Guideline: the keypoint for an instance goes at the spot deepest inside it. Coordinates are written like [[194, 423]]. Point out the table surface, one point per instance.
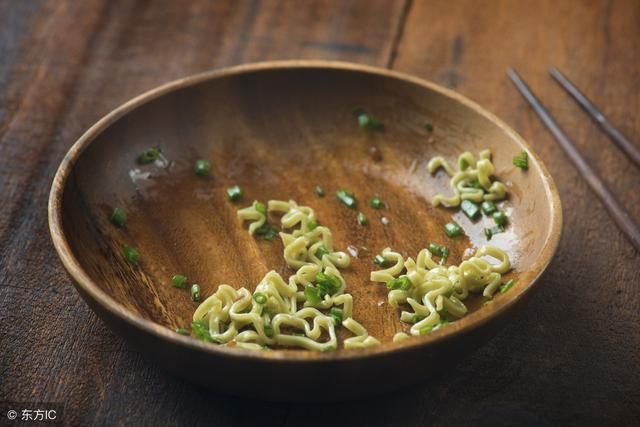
[[570, 354]]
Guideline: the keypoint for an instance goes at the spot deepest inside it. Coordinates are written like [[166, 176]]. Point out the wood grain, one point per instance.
[[64, 64]]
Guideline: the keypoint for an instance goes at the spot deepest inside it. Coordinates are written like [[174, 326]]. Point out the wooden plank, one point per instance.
[[73, 62], [564, 357]]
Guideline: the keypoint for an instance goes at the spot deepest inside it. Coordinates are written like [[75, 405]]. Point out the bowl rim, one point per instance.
[[466, 324]]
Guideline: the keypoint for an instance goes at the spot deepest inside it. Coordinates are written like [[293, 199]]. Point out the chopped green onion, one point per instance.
[[195, 292], [473, 184], [470, 209], [337, 315], [312, 294], [319, 191], [200, 329], [521, 160], [260, 298], [312, 224], [490, 232], [183, 331], [403, 283], [506, 286], [416, 318], [131, 254], [268, 330], [235, 193], [376, 203], [201, 167], [328, 284], [439, 250], [488, 207], [428, 126], [379, 259], [179, 281], [267, 231], [149, 155], [425, 329], [321, 251], [452, 229], [362, 219], [500, 218], [463, 164], [260, 207], [118, 217], [347, 198], [367, 121]]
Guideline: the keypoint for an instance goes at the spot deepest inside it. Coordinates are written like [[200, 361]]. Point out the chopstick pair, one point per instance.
[[615, 209]]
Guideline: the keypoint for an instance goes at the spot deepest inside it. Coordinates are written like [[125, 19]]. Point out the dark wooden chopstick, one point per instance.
[[615, 209], [623, 143]]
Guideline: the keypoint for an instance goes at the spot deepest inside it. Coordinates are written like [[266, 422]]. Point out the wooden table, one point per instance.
[[570, 356]]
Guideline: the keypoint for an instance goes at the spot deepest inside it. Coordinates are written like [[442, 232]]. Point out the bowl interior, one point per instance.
[[278, 133]]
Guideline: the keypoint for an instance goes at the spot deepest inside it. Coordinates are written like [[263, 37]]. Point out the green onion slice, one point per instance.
[[179, 281], [118, 217], [347, 198]]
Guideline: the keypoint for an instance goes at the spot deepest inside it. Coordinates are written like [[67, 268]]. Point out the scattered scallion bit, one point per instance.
[[201, 167], [312, 294], [473, 184], [464, 164], [337, 315], [195, 292], [521, 160], [200, 329], [488, 207], [367, 121], [416, 318], [453, 230], [506, 286], [268, 330], [362, 219], [148, 156], [319, 191], [118, 217], [312, 224], [440, 251], [428, 126], [321, 251], [260, 298], [131, 254], [347, 198], [425, 329], [490, 232], [179, 281], [267, 231], [500, 218], [376, 203], [235, 193], [403, 283], [328, 284], [431, 328], [260, 207], [470, 209], [183, 331], [379, 260]]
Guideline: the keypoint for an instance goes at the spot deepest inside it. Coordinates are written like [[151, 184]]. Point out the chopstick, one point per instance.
[[615, 209], [632, 152]]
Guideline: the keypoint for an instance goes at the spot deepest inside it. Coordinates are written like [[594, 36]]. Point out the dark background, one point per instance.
[[570, 355]]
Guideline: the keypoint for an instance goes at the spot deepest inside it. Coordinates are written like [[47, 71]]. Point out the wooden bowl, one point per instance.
[[278, 129]]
